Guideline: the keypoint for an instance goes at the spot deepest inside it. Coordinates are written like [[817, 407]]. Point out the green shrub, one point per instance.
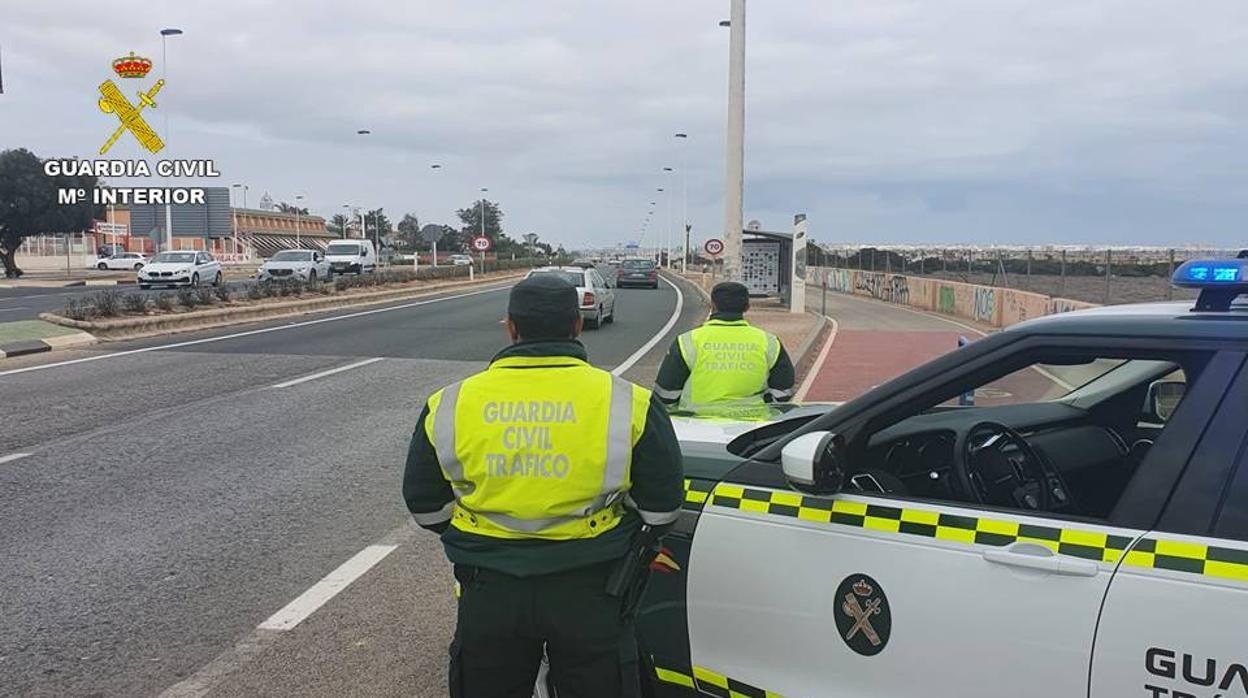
[[187, 297], [204, 295], [223, 293], [107, 302], [255, 292], [78, 309], [164, 301], [135, 303]]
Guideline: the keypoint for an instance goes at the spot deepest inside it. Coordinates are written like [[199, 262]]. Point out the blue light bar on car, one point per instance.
[[1220, 281], [1211, 273]]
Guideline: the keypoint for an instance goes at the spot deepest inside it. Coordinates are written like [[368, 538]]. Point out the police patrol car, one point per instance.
[[1080, 530]]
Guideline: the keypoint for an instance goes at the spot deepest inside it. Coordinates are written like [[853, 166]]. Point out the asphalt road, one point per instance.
[[178, 493]]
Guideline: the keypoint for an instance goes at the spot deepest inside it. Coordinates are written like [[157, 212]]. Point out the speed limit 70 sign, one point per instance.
[[482, 243], [714, 247]]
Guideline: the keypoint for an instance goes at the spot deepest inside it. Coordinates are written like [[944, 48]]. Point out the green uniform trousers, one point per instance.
[[505, 622]]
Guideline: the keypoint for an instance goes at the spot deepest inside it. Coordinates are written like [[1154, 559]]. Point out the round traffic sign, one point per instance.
[[714, 247], [482, 243]]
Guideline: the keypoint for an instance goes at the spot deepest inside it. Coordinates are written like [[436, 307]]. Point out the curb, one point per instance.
[[196, 320], [38, 346]]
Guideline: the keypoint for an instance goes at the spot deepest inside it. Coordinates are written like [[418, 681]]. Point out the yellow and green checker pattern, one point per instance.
[[711, 683], [1152, 553], [1186, 556], [697, 492]]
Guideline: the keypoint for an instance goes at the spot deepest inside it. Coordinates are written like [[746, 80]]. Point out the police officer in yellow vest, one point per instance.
[[726, 367], [540, 473]]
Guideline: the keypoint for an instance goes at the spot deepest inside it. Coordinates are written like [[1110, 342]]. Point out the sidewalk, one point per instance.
[[874, 342]]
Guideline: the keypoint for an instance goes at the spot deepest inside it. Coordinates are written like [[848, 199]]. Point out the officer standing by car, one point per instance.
[[546, 477], [726, 367]]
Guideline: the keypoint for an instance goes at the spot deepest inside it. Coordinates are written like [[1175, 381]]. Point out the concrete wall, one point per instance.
[[989, 305]]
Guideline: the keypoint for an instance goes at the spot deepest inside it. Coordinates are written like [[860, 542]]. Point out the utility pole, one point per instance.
[[734, 184]]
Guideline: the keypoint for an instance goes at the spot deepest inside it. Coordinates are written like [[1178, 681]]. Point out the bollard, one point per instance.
[[966, 399]]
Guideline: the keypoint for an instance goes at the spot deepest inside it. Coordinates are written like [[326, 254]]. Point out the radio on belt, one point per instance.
[[1220, 281]]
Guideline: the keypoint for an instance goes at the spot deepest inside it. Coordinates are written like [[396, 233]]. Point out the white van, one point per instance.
[[352, 256]]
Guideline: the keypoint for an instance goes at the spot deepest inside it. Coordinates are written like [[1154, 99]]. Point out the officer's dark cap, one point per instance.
[[730, 297], [543, 295]]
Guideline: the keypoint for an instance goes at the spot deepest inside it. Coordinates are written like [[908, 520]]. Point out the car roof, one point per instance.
[[572, 270], [1161, 320]]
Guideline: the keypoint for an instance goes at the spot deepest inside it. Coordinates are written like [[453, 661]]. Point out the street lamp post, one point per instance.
[[164, 74], [684, 197], [658, 241], [483, 192], [298, 229], [671, 192], [734, 184], [243, 187]]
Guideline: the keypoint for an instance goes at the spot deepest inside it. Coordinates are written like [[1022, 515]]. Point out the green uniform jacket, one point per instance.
[[657, 485]]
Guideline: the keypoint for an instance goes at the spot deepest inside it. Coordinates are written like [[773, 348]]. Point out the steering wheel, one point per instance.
[[994, 464]]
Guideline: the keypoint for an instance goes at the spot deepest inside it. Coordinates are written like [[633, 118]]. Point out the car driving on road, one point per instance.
[[1081, 529], [637, 272], [461, 260], [597, 300], [129, 261], [189, 268], [299, 265], [351, 256]]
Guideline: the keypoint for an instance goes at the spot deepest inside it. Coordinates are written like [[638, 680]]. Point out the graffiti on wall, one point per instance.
[[893, 288], [984, 308], [1064, 305], [946, 301]]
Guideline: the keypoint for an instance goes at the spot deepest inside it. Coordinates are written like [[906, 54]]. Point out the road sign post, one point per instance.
[[482, 244], [714, 247]]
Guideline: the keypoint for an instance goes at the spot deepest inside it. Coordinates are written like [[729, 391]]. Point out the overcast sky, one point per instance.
[[1010, 121]]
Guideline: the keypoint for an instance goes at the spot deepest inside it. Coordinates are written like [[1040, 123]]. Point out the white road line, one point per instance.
[[630, 361], [12, 457], [322, 374], [249, 333], [818, 365], [306, 603], [10, 310]]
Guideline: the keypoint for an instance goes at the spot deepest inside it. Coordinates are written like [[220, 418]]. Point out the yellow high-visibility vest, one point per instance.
[[537, 447], [729, 361]]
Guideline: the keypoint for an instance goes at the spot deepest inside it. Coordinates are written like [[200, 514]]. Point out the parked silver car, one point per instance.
[[297, 265]]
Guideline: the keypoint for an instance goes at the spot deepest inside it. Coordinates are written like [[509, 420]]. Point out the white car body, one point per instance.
[[351, 256], [180, 268], [461, 260], [596, 298], [128, 261], [311, 264]]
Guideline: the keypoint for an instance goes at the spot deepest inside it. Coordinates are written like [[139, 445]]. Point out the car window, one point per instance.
[[573, 277], [999, 440], [637, 264]]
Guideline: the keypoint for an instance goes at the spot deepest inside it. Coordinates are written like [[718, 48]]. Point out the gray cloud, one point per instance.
[[885, 120]]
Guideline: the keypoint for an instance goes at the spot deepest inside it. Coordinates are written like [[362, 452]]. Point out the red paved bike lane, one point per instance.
[[861, 359]]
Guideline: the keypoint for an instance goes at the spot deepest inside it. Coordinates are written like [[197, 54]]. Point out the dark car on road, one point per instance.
[[637, 272]]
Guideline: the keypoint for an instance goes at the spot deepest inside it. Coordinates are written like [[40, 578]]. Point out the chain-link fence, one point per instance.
[[1105, 275]]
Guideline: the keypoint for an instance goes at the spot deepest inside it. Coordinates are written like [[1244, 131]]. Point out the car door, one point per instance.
[[1175, 616], [602, 291], [886, 596]]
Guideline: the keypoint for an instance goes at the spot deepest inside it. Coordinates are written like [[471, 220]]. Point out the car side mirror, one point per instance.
[[1163, 399], [815, 462]]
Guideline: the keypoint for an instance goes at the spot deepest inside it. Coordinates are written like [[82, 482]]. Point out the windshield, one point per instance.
[[643, 264], [572, 277], [344, 249], [292, 256], [174, 258]]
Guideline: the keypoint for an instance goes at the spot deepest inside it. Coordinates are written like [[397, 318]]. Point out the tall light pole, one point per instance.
[[684, 197], [671, 192], [483, 192], [734, 184], [298, 229], [346, 216], [433, 245], [243, 187], [164, 74], [658, 240]]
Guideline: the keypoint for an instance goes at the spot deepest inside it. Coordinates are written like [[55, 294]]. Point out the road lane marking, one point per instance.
[[13, 310], [263, 330], [636, 356], [323, 374], [814, 370], [306, 603], [12, 457]]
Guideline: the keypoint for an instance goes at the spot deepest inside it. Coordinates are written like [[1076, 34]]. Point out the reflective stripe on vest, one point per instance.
[[504, 435], [729, 362]]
